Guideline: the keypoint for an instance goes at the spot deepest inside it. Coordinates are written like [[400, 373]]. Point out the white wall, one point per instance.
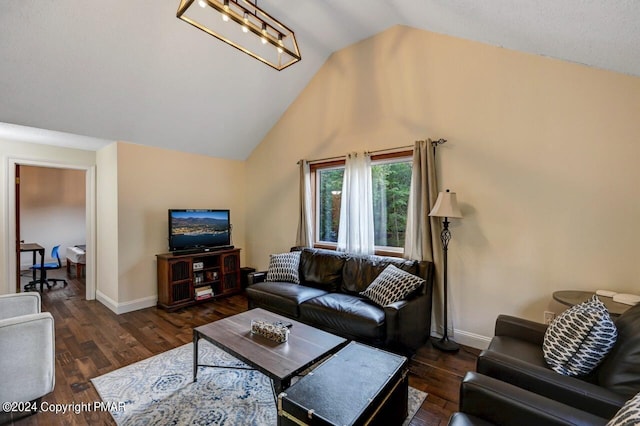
[[52, 209], [542, 153], [27, 153]]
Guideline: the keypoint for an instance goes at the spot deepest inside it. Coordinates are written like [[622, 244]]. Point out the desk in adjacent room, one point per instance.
[[35, 248]]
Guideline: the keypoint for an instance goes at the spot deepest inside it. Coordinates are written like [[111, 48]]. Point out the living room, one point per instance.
[[541, 152]]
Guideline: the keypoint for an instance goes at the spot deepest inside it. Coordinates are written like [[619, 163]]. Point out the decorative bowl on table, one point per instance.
[[277, 333]]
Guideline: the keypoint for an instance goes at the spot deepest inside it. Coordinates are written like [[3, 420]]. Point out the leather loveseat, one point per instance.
[[515, 356], [327, 298]]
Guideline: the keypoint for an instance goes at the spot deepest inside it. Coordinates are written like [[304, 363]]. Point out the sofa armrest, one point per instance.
[[546, 382], [14, 305], [520, 328], [408, 322], [28, 357], [504, 404], [256, 277]]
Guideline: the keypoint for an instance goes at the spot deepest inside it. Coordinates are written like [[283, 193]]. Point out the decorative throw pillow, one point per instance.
[[628, 415], [283, 267], [391, 285], [579, 339]]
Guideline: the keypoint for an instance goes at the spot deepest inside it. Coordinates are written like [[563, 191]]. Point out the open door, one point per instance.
[[17, 206]]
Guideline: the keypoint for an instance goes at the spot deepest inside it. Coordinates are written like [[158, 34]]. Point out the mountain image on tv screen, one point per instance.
[[199, 229]]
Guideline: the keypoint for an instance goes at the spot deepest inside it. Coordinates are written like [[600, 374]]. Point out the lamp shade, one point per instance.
[[446, 206]]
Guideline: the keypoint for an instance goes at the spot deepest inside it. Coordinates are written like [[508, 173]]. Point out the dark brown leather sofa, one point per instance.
[[327, 298], [515, 356]]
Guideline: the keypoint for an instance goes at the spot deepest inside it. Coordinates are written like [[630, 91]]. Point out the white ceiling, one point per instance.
[[129, 70]]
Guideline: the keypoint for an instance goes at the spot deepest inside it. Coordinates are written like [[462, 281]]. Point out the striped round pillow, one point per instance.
[[629, 414], [579, 339]]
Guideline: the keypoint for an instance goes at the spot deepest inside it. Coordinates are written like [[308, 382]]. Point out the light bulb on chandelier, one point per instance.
[[245, 29], [264, 32], [280, 49], [225, 17]]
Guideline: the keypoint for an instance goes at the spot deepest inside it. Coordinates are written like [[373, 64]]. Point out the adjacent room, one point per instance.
[[296, 212]]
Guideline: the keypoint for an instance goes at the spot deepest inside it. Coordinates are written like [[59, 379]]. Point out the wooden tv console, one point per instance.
[[181, 277]]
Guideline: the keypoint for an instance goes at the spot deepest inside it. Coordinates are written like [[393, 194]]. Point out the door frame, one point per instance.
[[90, 220]]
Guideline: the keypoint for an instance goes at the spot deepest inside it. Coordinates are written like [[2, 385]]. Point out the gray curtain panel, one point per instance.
[[422, 240], [304, 237]]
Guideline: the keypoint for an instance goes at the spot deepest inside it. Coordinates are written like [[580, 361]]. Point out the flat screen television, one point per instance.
[[198, 229]]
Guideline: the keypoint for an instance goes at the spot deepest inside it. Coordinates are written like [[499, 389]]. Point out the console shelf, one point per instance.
[[180, 275]]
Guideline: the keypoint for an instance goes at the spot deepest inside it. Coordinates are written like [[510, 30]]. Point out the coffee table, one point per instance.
[[279, 361]]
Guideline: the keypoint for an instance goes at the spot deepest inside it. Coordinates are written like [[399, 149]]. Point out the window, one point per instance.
[[328, 202], [391, 180]]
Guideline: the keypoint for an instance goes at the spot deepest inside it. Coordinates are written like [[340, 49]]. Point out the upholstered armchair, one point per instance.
[[487, 401], [27, 348], [515, 356]]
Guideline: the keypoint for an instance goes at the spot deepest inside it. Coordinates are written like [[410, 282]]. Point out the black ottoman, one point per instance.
[[358, 385]]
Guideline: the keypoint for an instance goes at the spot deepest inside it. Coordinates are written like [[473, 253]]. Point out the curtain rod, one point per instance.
[[400, 148]]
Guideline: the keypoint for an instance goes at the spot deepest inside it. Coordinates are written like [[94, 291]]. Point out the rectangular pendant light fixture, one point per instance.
[[244, 26]]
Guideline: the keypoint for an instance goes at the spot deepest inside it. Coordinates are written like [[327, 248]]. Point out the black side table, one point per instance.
[[574, 297]]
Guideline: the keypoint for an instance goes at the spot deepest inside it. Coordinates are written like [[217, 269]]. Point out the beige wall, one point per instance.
[[149, 182], [542, 153], [107, 290]]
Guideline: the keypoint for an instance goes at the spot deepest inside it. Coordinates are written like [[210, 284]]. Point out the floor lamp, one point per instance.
[[447, 207]]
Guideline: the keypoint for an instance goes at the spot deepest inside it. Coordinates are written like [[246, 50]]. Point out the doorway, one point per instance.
[[45, 213]]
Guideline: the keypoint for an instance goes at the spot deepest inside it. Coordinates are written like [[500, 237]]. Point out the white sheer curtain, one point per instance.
[[304, 237], [355, 232]]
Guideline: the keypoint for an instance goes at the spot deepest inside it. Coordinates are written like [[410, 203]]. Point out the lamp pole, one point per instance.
[[446, 206], [444, 343]]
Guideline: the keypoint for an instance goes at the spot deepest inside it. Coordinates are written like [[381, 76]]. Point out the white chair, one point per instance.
[[27, 348]]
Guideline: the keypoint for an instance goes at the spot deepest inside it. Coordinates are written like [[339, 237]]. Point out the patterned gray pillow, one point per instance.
[[283, 267], [628, 415], [579, 339], [391, 285]]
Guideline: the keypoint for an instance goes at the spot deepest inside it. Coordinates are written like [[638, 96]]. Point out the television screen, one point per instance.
[[190, 229]]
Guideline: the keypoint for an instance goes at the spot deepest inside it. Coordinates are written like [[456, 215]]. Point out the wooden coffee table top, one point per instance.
[[306, 345]]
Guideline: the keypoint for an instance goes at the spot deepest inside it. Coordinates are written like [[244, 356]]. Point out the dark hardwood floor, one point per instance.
[[91, 341]]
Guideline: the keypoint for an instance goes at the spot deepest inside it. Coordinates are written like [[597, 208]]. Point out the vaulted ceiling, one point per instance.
[[129, 70]]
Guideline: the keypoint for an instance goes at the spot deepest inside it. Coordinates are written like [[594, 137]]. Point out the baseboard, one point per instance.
[[124, 307], [466, 338], [471, 339]]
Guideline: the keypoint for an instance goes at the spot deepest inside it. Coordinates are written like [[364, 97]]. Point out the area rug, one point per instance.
[[159, 391]]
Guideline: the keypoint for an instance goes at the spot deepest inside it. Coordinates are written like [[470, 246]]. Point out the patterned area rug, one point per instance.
[[159, 391]]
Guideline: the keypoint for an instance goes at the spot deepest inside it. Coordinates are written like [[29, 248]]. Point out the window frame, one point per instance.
[[314, 167]]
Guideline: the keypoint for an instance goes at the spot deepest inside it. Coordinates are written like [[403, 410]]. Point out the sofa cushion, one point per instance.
[[629, 414], [392, 285], [283, 298], [284, 267], [321, 269], [579, 339], [360, 270], [346, 315], [620, 371]]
